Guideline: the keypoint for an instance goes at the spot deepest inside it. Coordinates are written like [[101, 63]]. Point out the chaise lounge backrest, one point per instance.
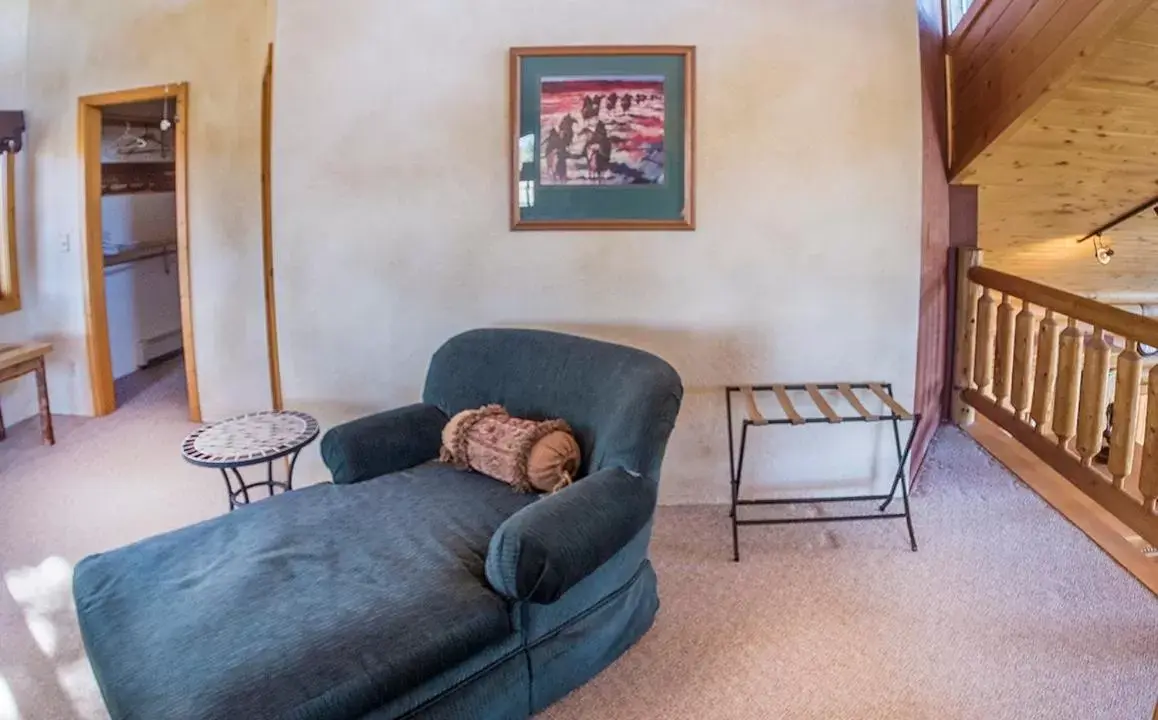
[[621, 402]]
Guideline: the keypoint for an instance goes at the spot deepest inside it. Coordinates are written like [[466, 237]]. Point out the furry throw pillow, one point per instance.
[[528, 455]]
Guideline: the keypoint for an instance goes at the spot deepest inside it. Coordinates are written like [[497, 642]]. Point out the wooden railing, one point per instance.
[[1036, 361]]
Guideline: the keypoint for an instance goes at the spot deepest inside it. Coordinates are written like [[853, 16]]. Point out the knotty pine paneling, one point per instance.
[[933, 319], [1086, 155], [1014, 55]]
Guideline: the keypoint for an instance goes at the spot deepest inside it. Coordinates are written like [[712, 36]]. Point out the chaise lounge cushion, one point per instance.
[[329, 602]]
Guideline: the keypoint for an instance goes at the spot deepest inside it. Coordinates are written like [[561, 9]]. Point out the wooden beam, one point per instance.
[[135, 95]]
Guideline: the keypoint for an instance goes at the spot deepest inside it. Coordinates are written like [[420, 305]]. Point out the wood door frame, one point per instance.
[[267, 232], [89, 113]]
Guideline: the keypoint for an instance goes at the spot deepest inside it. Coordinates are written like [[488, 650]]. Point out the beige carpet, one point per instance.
[[1006, 612]]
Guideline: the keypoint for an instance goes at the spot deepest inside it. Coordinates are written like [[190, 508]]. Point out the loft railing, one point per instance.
[[1037, 361]]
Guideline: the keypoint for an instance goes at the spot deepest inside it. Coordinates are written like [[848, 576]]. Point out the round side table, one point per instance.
[[251, 439]]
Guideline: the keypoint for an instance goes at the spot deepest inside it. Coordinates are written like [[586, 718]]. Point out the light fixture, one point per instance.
[[1102, 253], [166, 123]]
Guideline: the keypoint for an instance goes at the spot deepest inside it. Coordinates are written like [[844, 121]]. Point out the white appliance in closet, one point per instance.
[[142, 296]]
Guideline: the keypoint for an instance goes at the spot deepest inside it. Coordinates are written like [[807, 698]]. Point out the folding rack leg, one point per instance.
[[905, 485], [900, 464], [736, 492], [731, 453], [899, 478]]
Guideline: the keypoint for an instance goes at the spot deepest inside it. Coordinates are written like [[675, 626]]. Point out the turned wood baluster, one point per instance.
[[1003, 367], [1046, 369], [1065, 414], [1023, 359], [983, 357], [1092, 408], [967, 292], [1148, 475], [1126, 402]]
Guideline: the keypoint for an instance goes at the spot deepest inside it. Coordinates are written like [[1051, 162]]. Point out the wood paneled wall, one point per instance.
[[933, 329], [1008, 56], [1088, 154]]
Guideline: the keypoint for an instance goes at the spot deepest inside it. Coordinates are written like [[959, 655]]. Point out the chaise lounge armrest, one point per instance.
[[380, 444], [547, 547]]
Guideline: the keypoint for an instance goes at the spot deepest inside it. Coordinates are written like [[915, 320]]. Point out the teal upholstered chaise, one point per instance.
[[406, 588]]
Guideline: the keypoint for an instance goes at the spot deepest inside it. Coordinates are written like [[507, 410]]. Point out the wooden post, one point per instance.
[[1004, 364], [9, 265], [1126, 404], [1092, 408], [1065, 416], [1023, 360], [983, 356], [966, 340], [1046, 372], [1148, 475]]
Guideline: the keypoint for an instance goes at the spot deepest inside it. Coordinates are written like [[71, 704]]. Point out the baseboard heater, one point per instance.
[[158, 347]]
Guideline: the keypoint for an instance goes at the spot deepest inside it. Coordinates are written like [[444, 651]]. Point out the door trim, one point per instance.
[[267, 231], [96, 311]]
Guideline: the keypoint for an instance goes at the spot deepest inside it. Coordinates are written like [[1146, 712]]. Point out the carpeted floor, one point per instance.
[[1006, 612]]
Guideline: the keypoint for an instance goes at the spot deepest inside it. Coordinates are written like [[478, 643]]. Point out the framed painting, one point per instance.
[[602, 137]]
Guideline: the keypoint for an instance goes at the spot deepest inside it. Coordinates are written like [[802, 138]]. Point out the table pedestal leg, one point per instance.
[[289, 478]]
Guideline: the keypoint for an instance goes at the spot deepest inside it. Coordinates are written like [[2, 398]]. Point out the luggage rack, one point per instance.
[[896, 413]]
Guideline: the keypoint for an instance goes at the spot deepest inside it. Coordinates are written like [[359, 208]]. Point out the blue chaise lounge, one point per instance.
[[406, 588]]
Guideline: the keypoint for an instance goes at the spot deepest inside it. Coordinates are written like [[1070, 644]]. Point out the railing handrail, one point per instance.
[[1048, 385], [1107, 317]]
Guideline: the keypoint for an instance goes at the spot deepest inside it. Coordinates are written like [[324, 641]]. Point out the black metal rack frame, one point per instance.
[[896, 415]]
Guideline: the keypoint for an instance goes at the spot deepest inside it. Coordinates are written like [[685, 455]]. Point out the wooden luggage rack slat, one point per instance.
[[891, 411]]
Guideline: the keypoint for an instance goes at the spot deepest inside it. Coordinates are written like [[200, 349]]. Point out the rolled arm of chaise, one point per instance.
[[547, 547], [380, 444]]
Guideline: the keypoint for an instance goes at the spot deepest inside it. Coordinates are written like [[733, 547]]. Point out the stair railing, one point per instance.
[[1037, 362]]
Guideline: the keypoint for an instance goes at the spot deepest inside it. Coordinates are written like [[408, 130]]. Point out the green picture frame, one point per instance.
[[602, 137]]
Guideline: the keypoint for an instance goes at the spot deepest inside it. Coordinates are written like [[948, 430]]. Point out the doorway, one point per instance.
[[135, 243]]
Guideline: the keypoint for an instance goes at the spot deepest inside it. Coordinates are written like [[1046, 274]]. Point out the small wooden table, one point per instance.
[[17, 360]]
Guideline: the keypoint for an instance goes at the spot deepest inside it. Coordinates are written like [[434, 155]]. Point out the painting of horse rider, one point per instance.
[[602, 130]]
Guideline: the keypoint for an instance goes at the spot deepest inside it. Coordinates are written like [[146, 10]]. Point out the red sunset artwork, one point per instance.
[[602, 130]]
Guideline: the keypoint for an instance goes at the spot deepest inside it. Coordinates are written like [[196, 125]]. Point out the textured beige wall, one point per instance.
[[17, 398], [77, 48], [13, 46], [391, 211]]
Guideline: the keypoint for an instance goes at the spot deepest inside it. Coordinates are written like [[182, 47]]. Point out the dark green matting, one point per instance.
[[608, 202]]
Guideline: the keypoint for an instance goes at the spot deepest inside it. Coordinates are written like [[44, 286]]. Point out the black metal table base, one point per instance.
[[238, 489], [899, 480]]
